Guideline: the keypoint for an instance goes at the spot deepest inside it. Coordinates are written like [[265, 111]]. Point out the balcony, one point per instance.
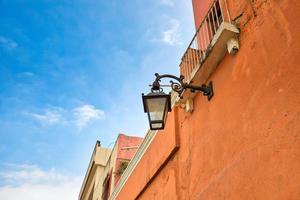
[[208, 46]]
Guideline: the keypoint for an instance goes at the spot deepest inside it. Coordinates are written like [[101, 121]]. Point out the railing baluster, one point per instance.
[[216, 12], [197, 51], [220, 6], [204, 36], [189, 64], [206, 39], [207, 32], [214, 25], [213, 20], [195, 54], [185, 67], [182, 67], [192, 57], [200, 39], [200, 44], [185, 72], [209, 24], [190, 61]]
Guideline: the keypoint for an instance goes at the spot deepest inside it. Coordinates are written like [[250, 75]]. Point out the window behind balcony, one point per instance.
[[214, 18]]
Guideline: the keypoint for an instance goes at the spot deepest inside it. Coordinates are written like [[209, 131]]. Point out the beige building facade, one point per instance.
[[92, 183], [106, 167]]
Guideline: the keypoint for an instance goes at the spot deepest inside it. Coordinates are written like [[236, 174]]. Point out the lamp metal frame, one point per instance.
[[179, 86]]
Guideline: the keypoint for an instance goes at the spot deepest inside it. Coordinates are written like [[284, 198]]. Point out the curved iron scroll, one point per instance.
[[179, 86]]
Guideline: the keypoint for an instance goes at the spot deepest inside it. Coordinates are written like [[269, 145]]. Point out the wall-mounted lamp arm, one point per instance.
[[179, 86]]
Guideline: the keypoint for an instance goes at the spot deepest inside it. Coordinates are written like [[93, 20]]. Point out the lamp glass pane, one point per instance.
[[156, 108], [156, 125]]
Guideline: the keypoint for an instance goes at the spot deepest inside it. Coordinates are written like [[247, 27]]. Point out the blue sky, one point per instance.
[[71, 73]]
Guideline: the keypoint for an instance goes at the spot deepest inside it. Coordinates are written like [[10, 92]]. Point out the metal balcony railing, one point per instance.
[[199, 47]]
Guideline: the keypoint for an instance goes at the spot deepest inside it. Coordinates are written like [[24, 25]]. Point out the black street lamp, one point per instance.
[[157, 104]]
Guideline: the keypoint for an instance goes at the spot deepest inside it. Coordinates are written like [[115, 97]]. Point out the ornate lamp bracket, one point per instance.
[[179, 86]]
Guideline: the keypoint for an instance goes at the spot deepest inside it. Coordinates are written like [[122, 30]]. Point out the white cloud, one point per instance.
[[79, 117], [29, 182], [8, 43], [48, 116], [171, 36], [167, 2], [86, 113], [167, 30], [30, 174]]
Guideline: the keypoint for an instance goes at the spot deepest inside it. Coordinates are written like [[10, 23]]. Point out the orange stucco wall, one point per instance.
[[164, 144], [245, 142]]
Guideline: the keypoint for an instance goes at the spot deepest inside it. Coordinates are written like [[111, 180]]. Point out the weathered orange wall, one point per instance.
[[245, 142], [164, 145]]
